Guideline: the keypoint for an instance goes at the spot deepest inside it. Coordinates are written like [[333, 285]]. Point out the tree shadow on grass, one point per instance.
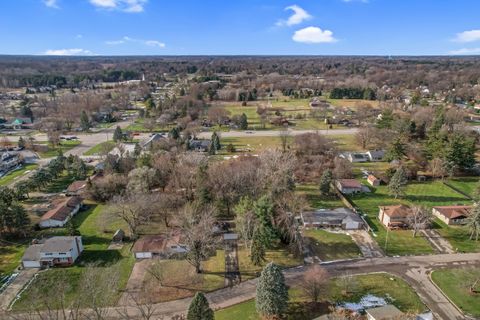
[[101, 258]]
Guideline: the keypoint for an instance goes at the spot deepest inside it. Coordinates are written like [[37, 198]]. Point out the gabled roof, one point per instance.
[[156, 243], [454, 212], [398, 211], [388, 312], [62, 210], [77, 186], [350, 183]]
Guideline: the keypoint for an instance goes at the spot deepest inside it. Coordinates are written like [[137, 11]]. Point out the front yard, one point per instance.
[[458, 236], [13, 175], [393, 289], [331, 246], [456, 284]]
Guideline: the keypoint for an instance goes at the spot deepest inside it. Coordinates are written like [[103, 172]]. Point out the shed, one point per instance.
[[118, 236]]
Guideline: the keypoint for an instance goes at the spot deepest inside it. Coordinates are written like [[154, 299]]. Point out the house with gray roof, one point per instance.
[[342, 218], [53, 252]]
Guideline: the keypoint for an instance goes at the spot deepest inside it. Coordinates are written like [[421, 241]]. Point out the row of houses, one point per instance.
[[397, 217]]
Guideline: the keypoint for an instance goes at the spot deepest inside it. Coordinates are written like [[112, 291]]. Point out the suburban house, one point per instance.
[[452, 215], [199, 145], [61, 213], [373, 181], [357, 157], [76, 188], [19, 123], [387, 312], [350, 186], [162, 246], [342, 218], [375, 155], [395, 217], [9, 161], [55, 251], [156, 137]]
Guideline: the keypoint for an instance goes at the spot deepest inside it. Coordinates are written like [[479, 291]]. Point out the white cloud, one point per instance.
[[150, 43], [51, 3], [132, 6], [468, 36], [299, 15], [465, 51], [313, 35], [68, 52]]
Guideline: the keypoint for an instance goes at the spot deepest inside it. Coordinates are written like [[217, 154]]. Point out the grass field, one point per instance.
[[468, 185], [95, 242], [455, 283], [13, 175], [63, 147], [401, 242], [331, 246], [103, 147], [395, 290], [317, 201], [10, 254]]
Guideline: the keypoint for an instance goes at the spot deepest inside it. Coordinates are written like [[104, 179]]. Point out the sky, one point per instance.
[[239, 27]]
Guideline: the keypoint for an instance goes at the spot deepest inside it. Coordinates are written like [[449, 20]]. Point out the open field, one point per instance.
[[103, 147], [317, 201], [63, 147], [455, 283], [10, 254], [13, 175], [402, 242], [331, 246], [394, 289], [95, 242]]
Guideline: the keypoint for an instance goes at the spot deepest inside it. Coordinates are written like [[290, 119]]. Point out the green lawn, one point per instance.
[[95, 241], [468, 185], [401, 242], [10, 257], [455, 283], [317, 201], [63, 147], [10, 177], [394, 289], [458, 236], [103, 147], [331, 246]]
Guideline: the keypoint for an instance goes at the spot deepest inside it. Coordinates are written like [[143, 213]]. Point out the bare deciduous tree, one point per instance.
[[314, 282], [420, 219]]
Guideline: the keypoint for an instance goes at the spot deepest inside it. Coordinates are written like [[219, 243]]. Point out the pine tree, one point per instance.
[[398, 183], [216, 141], [118, 134], [199, 308], [396, 151], [257, 251], [84, 122], [20, 219], [272, 293], [21, 142], [174, 133], [325, 182], [212, 150], [243, 122]]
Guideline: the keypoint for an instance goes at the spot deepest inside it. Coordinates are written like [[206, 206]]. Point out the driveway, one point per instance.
[[367, 245], [437, 241], [7, 296]]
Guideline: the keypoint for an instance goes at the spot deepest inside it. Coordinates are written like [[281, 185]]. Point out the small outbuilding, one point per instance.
[[118, 236], [373, 181], [387, 312], [452, 215]]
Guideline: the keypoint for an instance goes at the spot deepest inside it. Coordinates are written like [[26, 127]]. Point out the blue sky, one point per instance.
[[244, 27]]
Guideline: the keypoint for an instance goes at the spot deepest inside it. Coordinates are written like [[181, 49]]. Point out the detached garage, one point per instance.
[[160, 246], [31, 257]]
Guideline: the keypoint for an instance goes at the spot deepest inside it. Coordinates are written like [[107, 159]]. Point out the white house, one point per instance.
[[376, 155], [395, 217], [349, 186], [59, 216], [161, 246], [55, 251], [342, 218]]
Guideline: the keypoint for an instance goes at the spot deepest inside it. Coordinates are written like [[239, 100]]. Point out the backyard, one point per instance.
[[402, 242], [13, 175], [457, 285], [63, 147]]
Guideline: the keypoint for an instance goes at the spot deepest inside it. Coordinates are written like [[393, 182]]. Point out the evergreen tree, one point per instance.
[[216, 141], [21, 142], [118, 134], [84, 121], [272, 293], [137, 150], [257, 251], [202, 192], [460, 151], [199, 308], [212, 150], [243, 122], [174, 133], [263, 209], [325, 181], [396, 150], [398, 183]]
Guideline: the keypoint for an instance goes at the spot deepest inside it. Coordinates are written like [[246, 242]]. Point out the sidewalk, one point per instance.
[[14, 288]]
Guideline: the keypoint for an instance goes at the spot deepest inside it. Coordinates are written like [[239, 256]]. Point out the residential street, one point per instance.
[[414, 269]]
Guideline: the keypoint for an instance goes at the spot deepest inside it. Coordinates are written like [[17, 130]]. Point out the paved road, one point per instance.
[[276, 133], [7, 296], [414, 269]]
